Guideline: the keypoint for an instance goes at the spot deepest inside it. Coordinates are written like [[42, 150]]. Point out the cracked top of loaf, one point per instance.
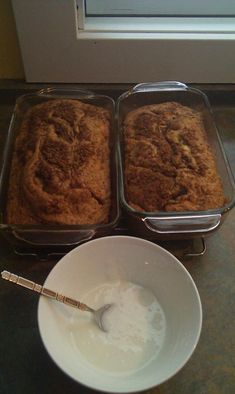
[[169, 164], [60, 172]]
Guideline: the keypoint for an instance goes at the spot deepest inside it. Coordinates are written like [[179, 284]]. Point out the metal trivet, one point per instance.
[[179, 248], [182, 248]]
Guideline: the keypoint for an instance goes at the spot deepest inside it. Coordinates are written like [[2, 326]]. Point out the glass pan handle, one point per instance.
[[66, 93], [163, 85], [53, 238], [183, 224]]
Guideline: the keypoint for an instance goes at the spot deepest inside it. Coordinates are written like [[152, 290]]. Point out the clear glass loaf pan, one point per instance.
[[56, 236], [170, 225]]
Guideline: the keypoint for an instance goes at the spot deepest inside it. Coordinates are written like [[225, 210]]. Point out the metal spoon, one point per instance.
[[18, 280]]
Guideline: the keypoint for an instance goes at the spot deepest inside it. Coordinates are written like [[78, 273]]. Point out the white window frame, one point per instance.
[[58, 45]]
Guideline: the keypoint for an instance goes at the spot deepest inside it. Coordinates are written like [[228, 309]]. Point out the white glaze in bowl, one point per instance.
[[121, 259]]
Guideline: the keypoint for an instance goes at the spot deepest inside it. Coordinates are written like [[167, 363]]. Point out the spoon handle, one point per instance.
[[19, 280]]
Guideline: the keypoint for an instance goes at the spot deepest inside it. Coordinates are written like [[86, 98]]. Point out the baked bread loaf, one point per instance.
[[169, 165], [60, 172]]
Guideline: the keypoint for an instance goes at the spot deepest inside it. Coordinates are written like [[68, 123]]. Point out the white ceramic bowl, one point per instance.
[[135, 260]]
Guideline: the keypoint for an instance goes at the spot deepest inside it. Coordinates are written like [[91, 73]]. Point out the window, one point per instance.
[[127, 41], [169, 16], [159, 8]]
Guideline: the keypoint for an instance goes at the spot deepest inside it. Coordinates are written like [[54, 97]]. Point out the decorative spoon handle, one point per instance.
[[18, 280]]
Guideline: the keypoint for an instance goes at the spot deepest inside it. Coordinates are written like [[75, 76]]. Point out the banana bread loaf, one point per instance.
[[60, 172], [169, 165]]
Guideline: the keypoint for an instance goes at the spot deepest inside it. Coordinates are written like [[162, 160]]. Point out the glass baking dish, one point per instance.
[[174, 225], [56, 237]]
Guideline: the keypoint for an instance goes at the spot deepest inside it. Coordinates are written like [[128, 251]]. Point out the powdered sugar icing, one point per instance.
[[135, 328]]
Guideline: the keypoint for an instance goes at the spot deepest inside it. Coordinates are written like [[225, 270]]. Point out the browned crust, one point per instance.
[[169, 165], [60, 170]]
